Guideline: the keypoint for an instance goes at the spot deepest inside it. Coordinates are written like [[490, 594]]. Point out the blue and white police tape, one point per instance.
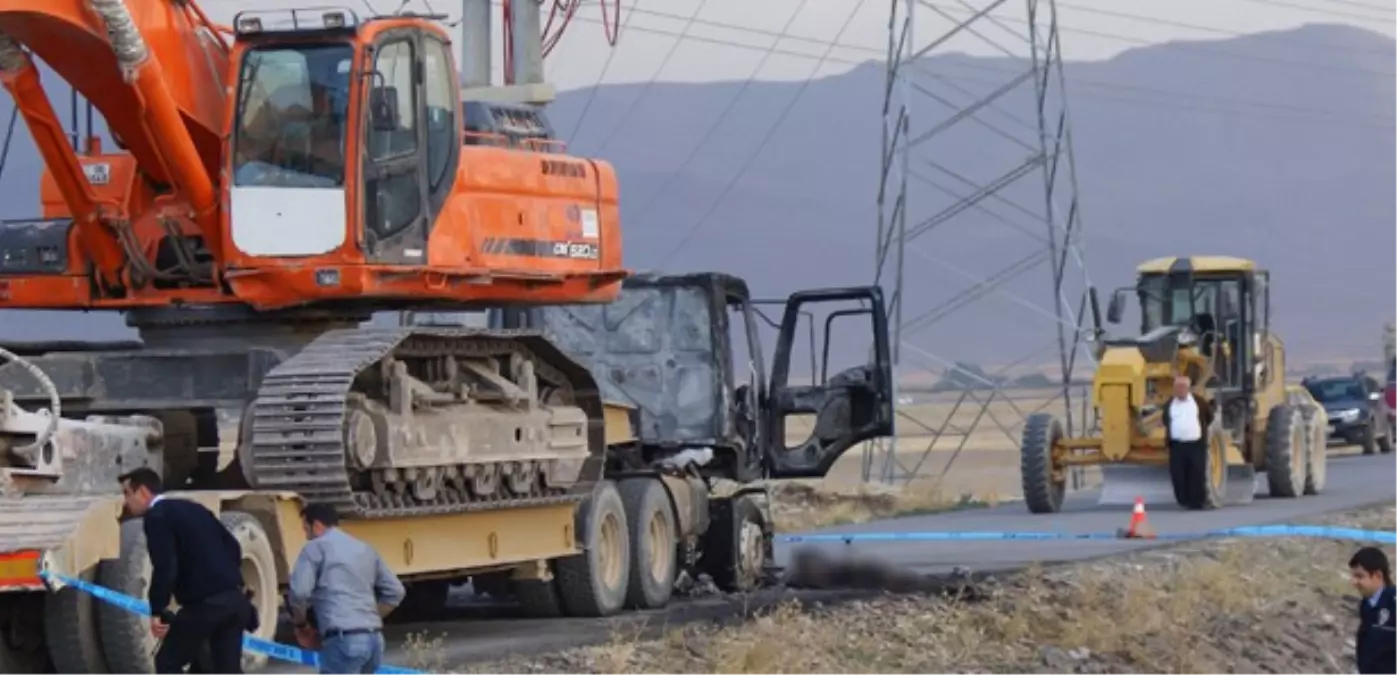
[[1315, 531], [251, 643]]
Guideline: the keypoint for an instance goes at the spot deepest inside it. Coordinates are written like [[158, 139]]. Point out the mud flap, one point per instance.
[[1121, 485]]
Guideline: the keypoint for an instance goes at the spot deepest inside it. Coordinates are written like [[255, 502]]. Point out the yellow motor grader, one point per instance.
[[1207, 317]]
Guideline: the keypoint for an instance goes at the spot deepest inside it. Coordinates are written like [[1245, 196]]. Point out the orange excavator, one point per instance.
[[277, 182], [321, 162]]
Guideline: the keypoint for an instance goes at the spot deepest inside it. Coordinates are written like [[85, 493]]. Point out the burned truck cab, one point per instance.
[[686, 353]]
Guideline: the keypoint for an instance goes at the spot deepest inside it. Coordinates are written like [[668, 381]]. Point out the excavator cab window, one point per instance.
[[392, 177], [293, 103]]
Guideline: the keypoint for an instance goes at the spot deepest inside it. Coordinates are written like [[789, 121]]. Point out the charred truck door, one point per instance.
[[849, 407]]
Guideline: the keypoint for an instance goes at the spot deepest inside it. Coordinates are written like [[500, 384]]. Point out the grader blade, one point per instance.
[[1121, 485], [1243, 482]]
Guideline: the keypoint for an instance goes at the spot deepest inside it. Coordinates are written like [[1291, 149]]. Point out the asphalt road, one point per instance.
[[476, 633]]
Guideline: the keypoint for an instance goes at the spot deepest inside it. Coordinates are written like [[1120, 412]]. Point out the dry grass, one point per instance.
[[799, 506], [1279, 605]]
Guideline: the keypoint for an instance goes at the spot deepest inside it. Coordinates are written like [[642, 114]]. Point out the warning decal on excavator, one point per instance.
[[99, 173], [540, 248]]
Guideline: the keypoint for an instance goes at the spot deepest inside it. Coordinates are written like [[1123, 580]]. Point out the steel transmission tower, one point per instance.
[[1016, 182]]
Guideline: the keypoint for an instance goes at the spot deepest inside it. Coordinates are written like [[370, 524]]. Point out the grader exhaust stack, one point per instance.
[[1207, 317]]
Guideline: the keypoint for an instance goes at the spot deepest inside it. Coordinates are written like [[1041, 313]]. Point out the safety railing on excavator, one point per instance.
[[501, 140]]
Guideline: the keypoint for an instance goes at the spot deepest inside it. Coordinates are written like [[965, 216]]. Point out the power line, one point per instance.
[[1317, 10], [1195, 46], [1319, 114], [693, 151], [1364, 5], [605, 68], [770, 133], [1328, 47], [625, 115]]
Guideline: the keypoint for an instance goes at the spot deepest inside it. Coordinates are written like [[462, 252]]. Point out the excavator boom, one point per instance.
[[299, 158]]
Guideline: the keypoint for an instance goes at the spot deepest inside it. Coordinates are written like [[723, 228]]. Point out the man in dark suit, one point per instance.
[[1375, 650], [195, 559]]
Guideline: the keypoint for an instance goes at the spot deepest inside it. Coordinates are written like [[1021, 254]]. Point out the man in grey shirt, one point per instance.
[[350, 590]]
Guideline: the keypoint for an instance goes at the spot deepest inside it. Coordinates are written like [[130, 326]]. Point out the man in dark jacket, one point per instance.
[[194, 558], [1186, 420], [1376, 650]]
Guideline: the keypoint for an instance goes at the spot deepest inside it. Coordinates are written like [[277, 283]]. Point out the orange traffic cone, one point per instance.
[[1139, 524]]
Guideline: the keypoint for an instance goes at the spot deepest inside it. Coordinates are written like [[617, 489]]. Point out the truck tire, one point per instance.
[[259, 576], [593, 583], [1285, 452], [22, 648], [1317, 450], [653, 542], [70, 629], [126, 639], [1041, 493], [737, 545]]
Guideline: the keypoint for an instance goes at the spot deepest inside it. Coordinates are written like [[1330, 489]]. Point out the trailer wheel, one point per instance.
[[593, 583], [1285, 452], [1041, 492], [22, 633], [70, 629], [654, 546], [259, 576], [737, 545], [1317, 451], [126, 639]]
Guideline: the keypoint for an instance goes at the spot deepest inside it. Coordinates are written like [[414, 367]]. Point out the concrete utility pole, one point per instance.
[[523, 82]]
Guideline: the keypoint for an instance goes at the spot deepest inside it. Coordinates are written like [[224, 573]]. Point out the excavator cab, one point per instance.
[[304, 173], [350, 147]]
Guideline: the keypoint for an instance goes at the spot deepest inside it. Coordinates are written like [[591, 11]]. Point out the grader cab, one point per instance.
[[1208, 318]]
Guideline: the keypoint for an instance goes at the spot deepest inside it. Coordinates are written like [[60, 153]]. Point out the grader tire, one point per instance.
[[1201, 485], [1285, 452], [653, 541], [125, 636], [593, 583], [70, 629], [1041, 493], [1317, 450], [259, 576]]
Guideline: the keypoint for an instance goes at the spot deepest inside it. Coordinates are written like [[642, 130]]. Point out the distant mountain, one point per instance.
[[1205, 147]]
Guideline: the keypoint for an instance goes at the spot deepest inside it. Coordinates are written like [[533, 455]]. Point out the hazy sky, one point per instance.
[[1092, 29]]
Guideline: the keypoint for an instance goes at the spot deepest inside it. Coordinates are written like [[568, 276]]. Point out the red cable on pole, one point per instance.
[[561, 12]]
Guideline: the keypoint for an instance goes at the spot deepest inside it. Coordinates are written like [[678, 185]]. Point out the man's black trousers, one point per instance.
[[1188, 458], [217, 623]]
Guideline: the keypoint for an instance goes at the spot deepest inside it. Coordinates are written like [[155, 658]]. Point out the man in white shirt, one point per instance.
[[1186, 425]]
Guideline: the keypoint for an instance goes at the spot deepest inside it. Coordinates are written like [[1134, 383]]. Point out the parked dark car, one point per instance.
[[1390, 395], [1358, 411]]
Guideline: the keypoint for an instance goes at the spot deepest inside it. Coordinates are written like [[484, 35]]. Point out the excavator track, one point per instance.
[[297, 437]]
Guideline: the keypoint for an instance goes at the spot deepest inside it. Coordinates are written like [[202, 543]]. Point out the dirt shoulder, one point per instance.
[[1245, 605]]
